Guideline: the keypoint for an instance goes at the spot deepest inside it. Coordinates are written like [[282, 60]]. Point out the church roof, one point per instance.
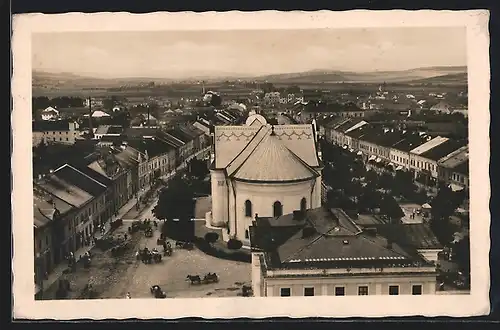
[[267, 159], [230, 141]]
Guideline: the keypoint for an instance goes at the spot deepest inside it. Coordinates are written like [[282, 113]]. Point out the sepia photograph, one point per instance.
[[228, 163]]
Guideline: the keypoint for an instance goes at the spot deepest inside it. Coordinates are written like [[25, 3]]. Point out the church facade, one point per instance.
[[263, 170]]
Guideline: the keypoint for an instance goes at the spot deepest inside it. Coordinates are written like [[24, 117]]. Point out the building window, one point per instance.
[[277, 209], [393, 290], [39, 244], [309, 292], [247, 234], [285, 292], [47, 240], [248, 208], [363, 290], [416, 290], [339, 291], [303, 204]]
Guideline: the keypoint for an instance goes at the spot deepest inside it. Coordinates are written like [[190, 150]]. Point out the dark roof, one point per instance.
[[180, 134], [443, 150], [134, 132], [411, 141], [46, 207], [153, 146], [170, 139], [348, 124], [76, 177], [50, 125], [414, 235], [361, 131], [334, 241], [383, 139], [462, 168]]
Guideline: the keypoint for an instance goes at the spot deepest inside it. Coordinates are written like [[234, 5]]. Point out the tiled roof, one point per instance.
[[442, 150], [463, 168], [411, 142], [347, 125], [429, 145], [153, 146], [75, 177], [231, 140], [133, 132], [50, 125], [127, 156], [43, 205], [383, 139], [334, 241], [64, 190], [455, 158], [271, 161], [102, 129], [180, 134], [169, 139], [414, 235]]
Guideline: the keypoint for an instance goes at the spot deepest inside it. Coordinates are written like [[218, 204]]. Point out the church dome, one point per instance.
[[272, 162], [255, 117]]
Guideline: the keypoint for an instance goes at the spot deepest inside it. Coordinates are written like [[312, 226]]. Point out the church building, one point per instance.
[[261, 169]]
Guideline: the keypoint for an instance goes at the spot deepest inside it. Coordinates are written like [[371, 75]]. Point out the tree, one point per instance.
[[391, 208], [176, 206], [234, 244], [198, 168], [211, 237]]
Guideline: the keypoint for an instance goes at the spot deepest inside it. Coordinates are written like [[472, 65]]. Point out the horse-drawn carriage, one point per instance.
[[119, 250], [246, 291], [207, 279], [184, 245], [147, 256], [148, 232], [157, 292]]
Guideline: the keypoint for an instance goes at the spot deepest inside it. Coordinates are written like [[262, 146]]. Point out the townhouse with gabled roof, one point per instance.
[[86, 195]]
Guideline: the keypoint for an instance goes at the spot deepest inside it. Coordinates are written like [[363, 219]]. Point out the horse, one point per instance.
[[211, 278], [195, 279]]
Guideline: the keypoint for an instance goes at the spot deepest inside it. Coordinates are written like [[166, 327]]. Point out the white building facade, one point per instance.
[[262, 169]]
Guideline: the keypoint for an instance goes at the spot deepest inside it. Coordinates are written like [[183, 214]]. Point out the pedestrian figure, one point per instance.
[[128, 295], [125, 235]]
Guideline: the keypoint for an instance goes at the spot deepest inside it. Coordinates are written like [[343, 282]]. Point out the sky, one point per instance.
[[183, 54]]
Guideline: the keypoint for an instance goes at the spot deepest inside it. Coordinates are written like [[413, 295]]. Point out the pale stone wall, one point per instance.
[[263, 197], [377, 284], [219, 198]]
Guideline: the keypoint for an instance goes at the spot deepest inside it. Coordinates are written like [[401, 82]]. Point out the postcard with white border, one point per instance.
[[258, 164]]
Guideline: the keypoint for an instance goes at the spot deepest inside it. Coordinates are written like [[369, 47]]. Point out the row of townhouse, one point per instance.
[[72, 201], [431, 158], [68, 207]]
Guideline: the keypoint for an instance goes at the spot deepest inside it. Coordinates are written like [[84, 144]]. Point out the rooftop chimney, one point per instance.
[[91, 130], [389, 244]]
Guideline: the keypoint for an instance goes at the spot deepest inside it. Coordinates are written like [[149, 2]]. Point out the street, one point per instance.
[[112, 277]]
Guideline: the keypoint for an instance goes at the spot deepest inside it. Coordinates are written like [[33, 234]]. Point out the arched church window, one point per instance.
[[247, 234], [277, 209], [248, 208], [303, 204]]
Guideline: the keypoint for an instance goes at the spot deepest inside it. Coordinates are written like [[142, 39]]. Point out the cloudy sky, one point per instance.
[[183, 54]]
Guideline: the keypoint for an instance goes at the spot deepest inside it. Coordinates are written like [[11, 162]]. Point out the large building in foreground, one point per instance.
[[324, 252], [262, 169]]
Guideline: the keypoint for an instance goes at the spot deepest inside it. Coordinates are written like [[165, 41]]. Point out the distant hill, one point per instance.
[[434, 75], [412, 75]]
